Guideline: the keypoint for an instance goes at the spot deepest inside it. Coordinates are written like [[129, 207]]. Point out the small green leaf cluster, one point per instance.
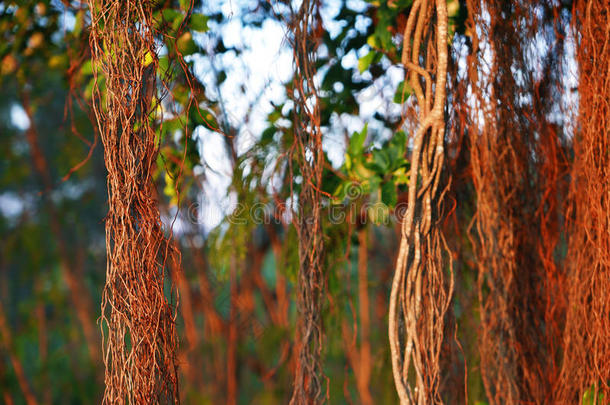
[[375, 171], [593, 396]]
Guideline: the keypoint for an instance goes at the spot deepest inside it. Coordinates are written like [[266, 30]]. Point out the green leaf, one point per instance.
[[396, 150], [401, 175], [388, 194], [341, 191], [199, 22], [382, 32], [171, 15], [86, 68], [348, 162], [164, 68], [399, 140], [372, 185], [589, 397], [170, 190], [362, 172], [203, 117], [356, 142], [373, 42], [365, 61], [267, 136], [381, 161], [186, 45], [403, 91], [274, 116]]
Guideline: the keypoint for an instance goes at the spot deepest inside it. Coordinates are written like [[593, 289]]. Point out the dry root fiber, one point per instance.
[[421, 292], [139, 345], [309, 156], [586, 355], [518, 170]]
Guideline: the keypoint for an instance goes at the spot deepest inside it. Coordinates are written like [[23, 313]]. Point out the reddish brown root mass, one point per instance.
[[139, 345], [586, 355], [518, 165]]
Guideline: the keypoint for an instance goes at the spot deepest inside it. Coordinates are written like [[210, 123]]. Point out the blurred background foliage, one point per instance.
[[236, 281]]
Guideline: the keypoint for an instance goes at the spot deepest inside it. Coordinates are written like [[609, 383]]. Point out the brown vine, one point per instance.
[[308, 153], [137, 321], [421, 293]]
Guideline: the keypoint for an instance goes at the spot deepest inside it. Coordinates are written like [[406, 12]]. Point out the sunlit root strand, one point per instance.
[[421, 291]]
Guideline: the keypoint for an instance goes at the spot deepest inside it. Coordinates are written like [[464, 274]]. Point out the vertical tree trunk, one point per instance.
[[7, 340], [232, 338], [363, 371]]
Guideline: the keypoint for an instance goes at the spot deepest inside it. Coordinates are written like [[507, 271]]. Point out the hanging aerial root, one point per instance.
[[586, 356], [421, 292], [307, 152], [518, 165], [137, 321]]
